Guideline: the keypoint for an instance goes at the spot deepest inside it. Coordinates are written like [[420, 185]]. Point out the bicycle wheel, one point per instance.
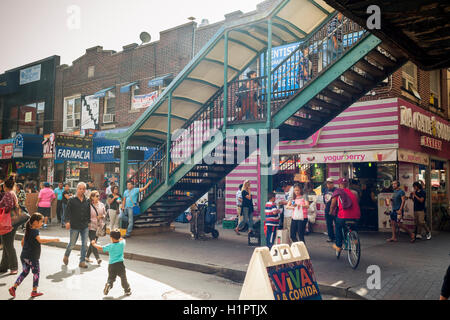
[[354, 250]]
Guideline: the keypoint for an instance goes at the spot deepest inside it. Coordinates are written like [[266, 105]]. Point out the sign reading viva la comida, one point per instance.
[[294, 281], [73, 148]]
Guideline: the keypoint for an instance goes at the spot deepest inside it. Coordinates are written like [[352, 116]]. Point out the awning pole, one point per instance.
[[225, 83]]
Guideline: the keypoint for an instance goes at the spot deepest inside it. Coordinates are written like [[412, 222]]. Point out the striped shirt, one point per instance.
[[272, 214]]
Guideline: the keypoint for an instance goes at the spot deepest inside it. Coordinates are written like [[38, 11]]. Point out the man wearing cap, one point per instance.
[[348, 209], [330, 217]]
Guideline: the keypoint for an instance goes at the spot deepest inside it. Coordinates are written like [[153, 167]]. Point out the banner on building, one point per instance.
[[89, 112], [30, 74], [144, 101], [49, 146], [413, 157], [6, 150], [354, 156], [27, 166]]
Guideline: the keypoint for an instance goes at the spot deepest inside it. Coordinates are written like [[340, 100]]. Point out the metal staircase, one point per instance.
[[331, 80]]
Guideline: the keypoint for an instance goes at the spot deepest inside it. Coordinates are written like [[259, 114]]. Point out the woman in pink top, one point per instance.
[[98, 216], [300, 206], [45, 200]]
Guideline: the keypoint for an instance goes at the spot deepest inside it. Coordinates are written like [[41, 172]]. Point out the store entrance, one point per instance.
[[439, 197], [365, 182]]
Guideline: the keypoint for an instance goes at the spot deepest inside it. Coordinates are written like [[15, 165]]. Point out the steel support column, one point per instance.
[[169, 137], [225, 83], [123, 165]]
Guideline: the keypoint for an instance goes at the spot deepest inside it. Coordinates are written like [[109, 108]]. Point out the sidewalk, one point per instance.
[[408, 271]]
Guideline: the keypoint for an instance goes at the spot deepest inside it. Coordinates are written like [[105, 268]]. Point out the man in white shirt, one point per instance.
[[108, 190]]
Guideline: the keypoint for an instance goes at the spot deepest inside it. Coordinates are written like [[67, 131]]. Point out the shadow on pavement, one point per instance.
[[67, 273], [118, 298]]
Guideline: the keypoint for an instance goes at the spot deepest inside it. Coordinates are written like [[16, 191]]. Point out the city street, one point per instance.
[[148, 281]]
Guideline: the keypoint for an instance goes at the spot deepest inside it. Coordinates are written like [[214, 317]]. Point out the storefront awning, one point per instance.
[[28, 146], [102, 93], [126, 88], [158, 81]]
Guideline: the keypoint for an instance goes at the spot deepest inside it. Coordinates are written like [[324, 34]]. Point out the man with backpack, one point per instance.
[[346, 201]]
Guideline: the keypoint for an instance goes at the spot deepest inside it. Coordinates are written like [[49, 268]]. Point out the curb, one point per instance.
[[230, 274]]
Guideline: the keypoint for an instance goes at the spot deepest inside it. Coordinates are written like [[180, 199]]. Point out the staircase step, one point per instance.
[[336, 96], [309, 120], [381, 58], [346, 87], [324, 104], [354, 76], [366, 66]]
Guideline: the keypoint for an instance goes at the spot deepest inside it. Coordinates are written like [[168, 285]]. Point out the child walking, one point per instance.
[[31, 253], [116, 266], [272, 220]]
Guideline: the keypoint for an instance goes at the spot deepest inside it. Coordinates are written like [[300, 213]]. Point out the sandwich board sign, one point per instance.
[[283, 273]]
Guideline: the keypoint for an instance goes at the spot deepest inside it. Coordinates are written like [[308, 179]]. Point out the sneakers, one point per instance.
[[45, 226], [66, 260], [418, 236], [35, 294], [128, 292], [335, 247], [429, 236], [83, 265], [12, 292], [99, 261], [107, 288]]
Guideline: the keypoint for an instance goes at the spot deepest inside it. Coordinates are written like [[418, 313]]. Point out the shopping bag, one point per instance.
[[5, 222], [18, 217]]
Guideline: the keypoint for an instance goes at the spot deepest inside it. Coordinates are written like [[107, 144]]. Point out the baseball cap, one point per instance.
[[330, 180], [342, 181], [46, 184]]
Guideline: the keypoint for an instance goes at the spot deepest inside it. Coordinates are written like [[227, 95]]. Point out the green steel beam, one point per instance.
[[123, 165], [203, 82], [344, 63], [169, 127], [225, 80], [188, 100], [221, 64], [263, 31], [251, 36], [243, 44], [290, 24], [152, 131], [269, 75], [319, 6], [281, 27]]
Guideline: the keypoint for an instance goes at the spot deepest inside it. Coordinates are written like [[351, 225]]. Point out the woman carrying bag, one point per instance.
[[300, 206], [247, 206], [9, 204], [97, 225]]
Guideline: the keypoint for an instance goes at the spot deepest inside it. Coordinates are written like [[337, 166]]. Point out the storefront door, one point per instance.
[[439, 196]]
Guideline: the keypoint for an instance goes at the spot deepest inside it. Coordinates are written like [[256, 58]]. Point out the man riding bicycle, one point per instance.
[[346, 201]]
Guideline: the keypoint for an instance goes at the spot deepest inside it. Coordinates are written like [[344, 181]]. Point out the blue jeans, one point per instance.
[[339, 227], [271, 235], [73, 240], [63, 216], [129, 213]]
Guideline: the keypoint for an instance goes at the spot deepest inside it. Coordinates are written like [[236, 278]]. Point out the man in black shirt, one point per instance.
[[419, 196], [77, 218], [445, 292], [329, 217], [66, 196]]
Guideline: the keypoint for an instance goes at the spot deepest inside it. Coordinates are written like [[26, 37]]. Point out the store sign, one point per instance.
[[144, 101], [6, 151], [49, 146], [89, 112], [430, 143], [69, 148], [31, 74], [413, 157], [425, 124], [105, 149], [356, 156], [27, 166], [18, 146]]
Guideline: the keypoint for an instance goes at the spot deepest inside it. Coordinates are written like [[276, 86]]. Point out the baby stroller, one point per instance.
[[210, 217]]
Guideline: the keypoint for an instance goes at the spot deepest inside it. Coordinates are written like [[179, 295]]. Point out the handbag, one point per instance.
[[5, 222], [136, 210], [101, 229], [18, 217]]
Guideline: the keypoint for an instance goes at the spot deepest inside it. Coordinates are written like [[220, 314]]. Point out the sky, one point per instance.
[[31, 30]]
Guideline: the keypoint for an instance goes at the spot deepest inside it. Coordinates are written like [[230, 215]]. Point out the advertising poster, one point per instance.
[[89, 112], [144, 101], [294, 281]]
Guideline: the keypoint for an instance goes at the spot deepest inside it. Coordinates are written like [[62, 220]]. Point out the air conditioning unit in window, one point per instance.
[[109, 118]]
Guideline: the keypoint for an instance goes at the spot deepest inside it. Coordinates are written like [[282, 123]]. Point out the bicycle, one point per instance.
[[351, 244]]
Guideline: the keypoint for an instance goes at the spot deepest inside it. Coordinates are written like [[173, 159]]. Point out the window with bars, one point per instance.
[[72, 113]]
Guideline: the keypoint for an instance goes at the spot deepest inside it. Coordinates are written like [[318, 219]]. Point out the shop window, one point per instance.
[[409, 79], [435, 88], [72, 113], [28, 118], [110, 108]]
